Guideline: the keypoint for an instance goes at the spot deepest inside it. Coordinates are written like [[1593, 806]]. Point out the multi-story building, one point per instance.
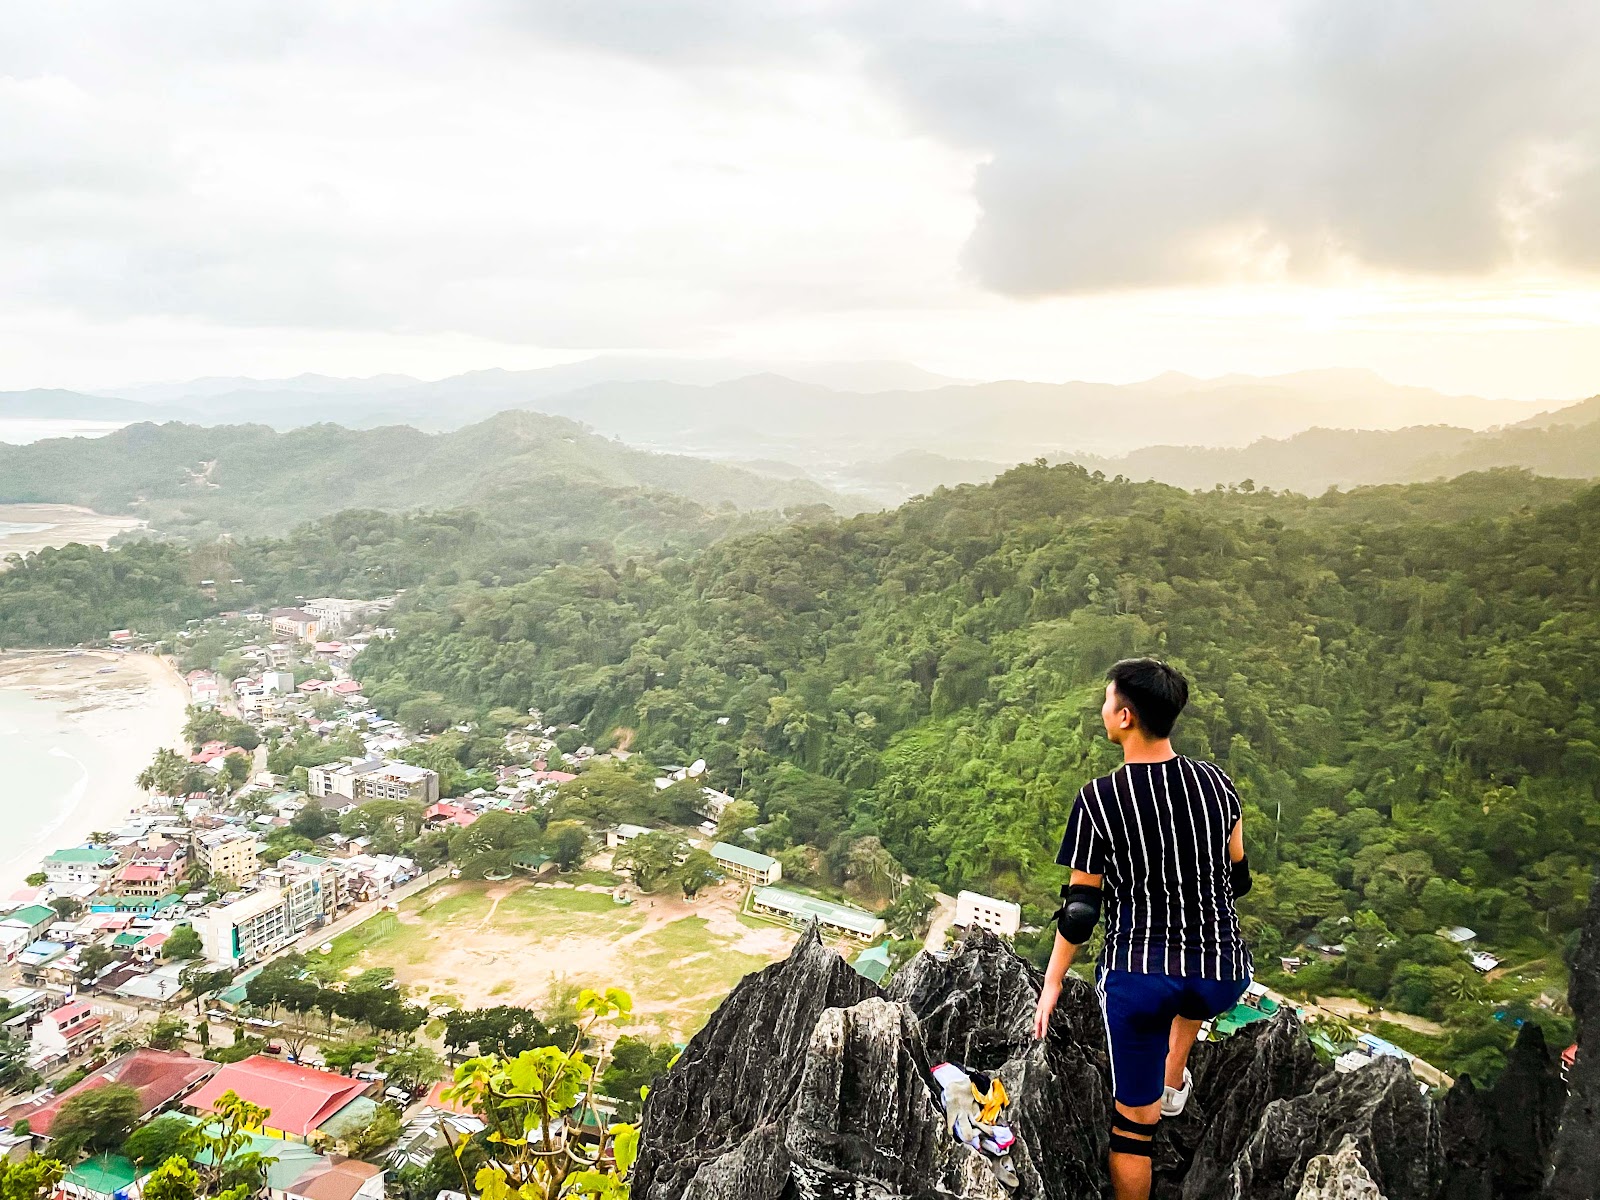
[[359, 780], [997, 916], [66, 1031], [82, 864], [335, 616], [229, 851], [294, 623], [747, 865], [256, 925]]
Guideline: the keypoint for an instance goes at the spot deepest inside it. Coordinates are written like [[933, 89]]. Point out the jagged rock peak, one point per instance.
[[810, 1082]]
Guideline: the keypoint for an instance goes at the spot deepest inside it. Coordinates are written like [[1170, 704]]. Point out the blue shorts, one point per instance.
[[1139, 1009]]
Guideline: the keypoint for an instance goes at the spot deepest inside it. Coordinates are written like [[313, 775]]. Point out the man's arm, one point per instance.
[[1061, 957], [1238, 864]]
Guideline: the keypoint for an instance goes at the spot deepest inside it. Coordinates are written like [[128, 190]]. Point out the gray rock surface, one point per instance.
[[1339, 1176], [809, 1083], [1576, 1153]]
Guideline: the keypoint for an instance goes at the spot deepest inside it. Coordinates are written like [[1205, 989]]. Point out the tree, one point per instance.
[[634, 1065], [169, 774], [174, 1179], [313, 821], [503, 1030], [907, 916], [37, 879], [34, 1178], [67, 907], [374, 1135], [343, 1056], [195, 982], [216, 1146], [549, 1090], [650, 858], [735, 819], [98, 1119], [182, 943], [567, 842], [489, 844], [93, 959], [412, 1067], [698, 870], [156, 1141], [167, 1033]]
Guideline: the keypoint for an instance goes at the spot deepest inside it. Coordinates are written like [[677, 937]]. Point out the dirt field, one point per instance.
[[478, 944]]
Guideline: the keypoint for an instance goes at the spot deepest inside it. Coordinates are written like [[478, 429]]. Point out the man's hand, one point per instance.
[[1048, 995]]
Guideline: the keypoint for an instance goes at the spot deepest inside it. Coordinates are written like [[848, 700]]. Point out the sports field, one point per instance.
[[476, 944]]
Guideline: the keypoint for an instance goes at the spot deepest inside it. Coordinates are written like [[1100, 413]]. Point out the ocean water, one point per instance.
[[49, 764], [19, 431]]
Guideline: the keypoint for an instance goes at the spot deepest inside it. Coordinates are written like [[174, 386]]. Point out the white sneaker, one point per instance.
[[1174, 1099]]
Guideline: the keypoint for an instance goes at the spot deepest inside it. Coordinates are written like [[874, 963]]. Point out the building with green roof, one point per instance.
[[36, 918], [81, 864], [103, 1177], [797, 909], [873, 962], [749, 865]]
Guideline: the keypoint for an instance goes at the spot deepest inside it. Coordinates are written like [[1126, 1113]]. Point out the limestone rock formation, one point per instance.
[[809, 1083], [1338, 1176], [1576, 1157]]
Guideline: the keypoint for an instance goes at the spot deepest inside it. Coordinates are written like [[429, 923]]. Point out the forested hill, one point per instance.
[[249, 479], [1410, 710]]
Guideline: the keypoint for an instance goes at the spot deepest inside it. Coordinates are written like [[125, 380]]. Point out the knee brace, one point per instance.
[[1140, 1146], [1079, 911]]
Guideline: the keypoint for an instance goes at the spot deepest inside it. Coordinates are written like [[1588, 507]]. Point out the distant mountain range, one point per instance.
[[249, 479], [817, 417], [1564, 443]]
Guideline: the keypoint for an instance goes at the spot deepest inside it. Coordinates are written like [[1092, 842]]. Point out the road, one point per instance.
[[943, 914]]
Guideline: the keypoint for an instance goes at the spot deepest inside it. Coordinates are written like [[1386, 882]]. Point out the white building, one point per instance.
[[997, 916], [625, 833], [258, 924], [373, 779]]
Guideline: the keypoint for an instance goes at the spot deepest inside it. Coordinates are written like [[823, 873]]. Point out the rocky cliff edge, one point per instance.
[[810, 1083]]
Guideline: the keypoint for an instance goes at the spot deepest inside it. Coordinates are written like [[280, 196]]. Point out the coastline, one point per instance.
[[109, 725], [48, 525]]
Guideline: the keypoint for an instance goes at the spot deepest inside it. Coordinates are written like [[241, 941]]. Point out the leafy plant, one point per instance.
[[538, 1106]]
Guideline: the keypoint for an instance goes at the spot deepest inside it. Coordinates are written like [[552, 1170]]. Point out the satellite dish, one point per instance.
[[697, 768]]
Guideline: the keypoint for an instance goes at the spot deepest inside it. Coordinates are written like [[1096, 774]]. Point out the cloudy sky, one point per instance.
[[1043, 190]]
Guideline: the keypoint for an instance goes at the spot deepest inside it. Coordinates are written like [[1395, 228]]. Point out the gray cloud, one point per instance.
[[1146, 143]]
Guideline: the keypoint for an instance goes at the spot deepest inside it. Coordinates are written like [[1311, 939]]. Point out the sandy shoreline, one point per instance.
[[122, 717], [64, 523]]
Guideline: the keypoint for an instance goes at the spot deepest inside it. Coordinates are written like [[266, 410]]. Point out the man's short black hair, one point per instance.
[[1155, 692]]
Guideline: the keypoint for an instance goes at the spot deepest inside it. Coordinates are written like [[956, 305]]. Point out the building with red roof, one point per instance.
[[65, 1031], [347, 687], [338, 1179], [159, 1076], [300, 1099], [445, 813]]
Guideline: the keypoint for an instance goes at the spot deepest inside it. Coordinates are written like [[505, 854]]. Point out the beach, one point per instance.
[[25, 528], [76, 728]]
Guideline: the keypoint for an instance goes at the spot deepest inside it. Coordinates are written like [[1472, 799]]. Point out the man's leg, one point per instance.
[[1133, 1128], [1179, 1042]]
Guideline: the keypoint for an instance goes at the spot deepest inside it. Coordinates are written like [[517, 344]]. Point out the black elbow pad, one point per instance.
[[1239, 876], [1077, 916]]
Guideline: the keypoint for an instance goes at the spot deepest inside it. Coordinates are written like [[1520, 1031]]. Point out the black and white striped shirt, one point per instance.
[[1158, 833]]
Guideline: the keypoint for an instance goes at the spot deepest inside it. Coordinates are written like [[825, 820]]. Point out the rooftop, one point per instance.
[[300, 1098], [81, 854], [104, 1174], [33, 914], [842, 916], [159, 1076], [750, 859]]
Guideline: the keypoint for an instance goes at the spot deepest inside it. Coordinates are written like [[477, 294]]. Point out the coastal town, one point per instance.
[[186, 952]]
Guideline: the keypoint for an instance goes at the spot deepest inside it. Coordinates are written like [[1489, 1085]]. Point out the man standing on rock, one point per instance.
[[1159, 844]]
